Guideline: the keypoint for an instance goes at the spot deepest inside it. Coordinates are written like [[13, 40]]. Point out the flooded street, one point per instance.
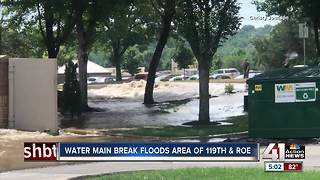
[[174, 110]]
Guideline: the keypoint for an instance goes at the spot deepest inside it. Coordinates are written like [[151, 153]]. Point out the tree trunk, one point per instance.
[[52, 51], [83, 61], [204, 117], [316, 37], [118, 71], [164, 35]]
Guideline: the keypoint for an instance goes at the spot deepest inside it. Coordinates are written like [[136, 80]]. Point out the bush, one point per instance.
[[71, 90], [228, 88]]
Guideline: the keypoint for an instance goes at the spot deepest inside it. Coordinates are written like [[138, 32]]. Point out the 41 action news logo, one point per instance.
[[282, 151]]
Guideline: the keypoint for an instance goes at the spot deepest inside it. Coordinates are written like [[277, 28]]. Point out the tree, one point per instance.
[[131, 61], [166, 10], [284, 40], [88, 13], [184, 57], [71, 90], [19, 42], [126, 26], [205, 24], [301, 10], [55, 20], [217, 63]]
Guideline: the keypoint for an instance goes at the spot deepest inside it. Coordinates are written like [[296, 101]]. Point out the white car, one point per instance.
[[178, 78], [99, 80], [252, 74], [194, 77], [225, 73]]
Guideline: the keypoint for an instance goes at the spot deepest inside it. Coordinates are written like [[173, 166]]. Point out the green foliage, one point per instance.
[[126, 26], [228, 88], [290, 8], [54, 20], [184, 57], [66, 54], [298, 10], [240, 47], [131, 61], [71, 90], [284, 39], [206, 24], [212, 173], [217, 63]]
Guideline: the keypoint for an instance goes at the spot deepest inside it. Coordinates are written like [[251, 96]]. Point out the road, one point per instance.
[[312, 162]]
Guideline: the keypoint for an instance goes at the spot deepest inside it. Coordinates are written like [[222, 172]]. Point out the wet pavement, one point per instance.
[[121, 113]]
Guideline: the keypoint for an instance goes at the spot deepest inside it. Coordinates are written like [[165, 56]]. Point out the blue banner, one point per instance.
[[159, 152]]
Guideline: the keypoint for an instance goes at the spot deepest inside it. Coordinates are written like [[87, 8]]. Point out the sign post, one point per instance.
[[303, 33]]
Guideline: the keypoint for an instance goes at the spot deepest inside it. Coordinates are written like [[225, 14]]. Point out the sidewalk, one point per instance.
[[312, 162]]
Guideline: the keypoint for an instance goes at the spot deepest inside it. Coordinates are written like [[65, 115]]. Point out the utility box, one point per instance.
[[31, 96], [285, 103]]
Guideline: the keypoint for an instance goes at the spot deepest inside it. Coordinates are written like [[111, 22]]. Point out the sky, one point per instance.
[[252, 17]]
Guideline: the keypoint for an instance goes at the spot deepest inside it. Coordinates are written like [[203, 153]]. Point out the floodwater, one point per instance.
[[120, 113]]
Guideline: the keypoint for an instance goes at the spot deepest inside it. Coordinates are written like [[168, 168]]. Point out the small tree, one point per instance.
[[184, 57], [205, 24], [217, 63], [131, 61], [71, 90]]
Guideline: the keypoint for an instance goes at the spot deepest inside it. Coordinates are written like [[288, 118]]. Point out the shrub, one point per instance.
[[71, 90], [228, 88]]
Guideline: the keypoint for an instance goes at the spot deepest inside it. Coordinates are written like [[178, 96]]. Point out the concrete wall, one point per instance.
[[33, 94]]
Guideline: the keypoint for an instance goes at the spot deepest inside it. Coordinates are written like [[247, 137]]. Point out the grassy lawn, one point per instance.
[[239, 124], [211, 173]]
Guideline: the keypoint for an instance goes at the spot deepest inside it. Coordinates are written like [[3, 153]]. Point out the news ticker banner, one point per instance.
[[141, 152]]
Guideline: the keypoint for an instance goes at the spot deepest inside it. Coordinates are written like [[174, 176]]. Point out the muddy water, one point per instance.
[[121, 113]]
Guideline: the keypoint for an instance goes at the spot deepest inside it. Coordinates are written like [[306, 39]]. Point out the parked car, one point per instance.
[[225, 73], [141, 76], [194, 77], [166, 77], [178, 78], [109, 79], [252, 73], [99, 80]]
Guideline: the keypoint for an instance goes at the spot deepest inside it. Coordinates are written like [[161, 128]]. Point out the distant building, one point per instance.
[[94, 70]]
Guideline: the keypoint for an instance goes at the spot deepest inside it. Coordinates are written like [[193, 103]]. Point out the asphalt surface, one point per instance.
[[312, 162]]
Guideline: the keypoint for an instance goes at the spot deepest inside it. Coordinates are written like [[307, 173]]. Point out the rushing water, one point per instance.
[[119, 113]]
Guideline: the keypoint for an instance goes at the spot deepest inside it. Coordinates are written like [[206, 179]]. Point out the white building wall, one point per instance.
[[33, 94]]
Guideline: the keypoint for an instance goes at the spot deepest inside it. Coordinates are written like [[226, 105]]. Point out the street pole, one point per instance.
[[303, 33], [304, 52]]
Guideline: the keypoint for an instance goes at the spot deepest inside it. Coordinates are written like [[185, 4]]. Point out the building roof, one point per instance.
[[92, 68]]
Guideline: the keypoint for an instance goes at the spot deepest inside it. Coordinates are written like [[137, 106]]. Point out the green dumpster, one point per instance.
[[285, 103]]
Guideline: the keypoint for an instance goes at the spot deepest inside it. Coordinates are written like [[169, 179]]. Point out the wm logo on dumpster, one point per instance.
[[285, 87]]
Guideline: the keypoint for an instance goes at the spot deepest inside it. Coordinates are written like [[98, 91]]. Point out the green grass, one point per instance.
[[240, 124], [211, 174]]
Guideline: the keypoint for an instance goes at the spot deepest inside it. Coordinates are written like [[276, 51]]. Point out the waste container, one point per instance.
[[285, 103], [4, 86]]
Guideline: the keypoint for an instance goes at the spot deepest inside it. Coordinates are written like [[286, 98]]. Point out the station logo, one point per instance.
[[36, 151], [295, 151], [282, 151]]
